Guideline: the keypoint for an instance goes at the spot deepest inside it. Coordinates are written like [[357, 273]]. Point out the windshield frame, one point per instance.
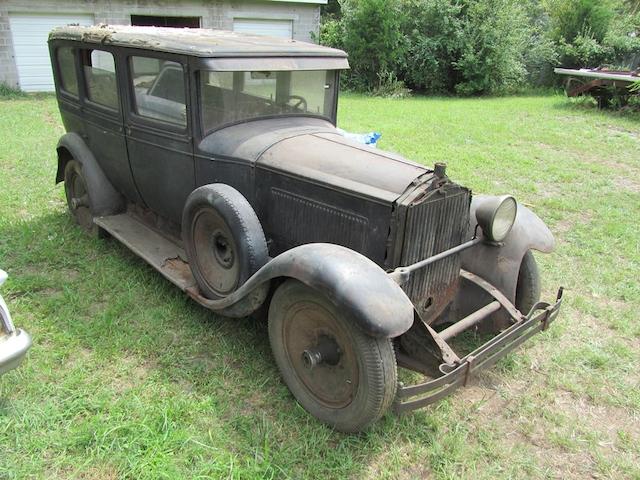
[[331, 117]]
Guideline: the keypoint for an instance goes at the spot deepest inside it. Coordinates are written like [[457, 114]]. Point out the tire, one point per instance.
[[354, 382], [529, 286], [223, 239], [79, 199]]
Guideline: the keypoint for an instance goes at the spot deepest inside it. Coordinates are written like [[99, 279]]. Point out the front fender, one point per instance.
[[500, 265], [350, 280]]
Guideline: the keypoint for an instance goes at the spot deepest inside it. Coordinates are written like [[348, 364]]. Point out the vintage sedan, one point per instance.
[[215, 157]]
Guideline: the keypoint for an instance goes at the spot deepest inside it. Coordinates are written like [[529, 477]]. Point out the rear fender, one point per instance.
[[103, 197], [351, 281]]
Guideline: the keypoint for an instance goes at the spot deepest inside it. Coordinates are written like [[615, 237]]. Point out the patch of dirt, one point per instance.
[[604, 419], [627, 183], [104, 472], [130, 372], [619, 132], [96, 308], [379, 465], [556, 413]]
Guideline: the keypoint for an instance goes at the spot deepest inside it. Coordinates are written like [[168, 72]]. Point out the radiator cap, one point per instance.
[[440, 170]]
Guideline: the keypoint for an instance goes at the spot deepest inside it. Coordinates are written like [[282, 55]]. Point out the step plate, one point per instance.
[[158, 251]]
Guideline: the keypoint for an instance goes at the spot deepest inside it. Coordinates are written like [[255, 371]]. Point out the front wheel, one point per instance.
[[339, 374], [529, 286]]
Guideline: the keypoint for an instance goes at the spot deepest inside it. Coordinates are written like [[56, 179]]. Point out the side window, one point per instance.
[[100, 77], [67, 68], [159, 89]]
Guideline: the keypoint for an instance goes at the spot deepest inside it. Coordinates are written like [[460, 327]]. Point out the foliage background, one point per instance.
[[474, 47]]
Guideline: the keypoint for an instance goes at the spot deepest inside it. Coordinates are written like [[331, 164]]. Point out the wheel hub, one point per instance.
[[222, 249], [215, 251], [321, 353], [78, 199], [327, 351]]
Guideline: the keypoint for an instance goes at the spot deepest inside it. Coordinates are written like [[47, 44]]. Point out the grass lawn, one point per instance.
[[128, 378]]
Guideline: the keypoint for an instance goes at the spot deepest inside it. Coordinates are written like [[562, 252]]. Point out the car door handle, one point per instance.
[[127, 130]]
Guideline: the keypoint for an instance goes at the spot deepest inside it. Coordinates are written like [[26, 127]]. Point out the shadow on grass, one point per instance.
[[589, 106], [102, 319]]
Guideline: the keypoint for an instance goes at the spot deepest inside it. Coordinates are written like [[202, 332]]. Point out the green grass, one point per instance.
[[128, 378]]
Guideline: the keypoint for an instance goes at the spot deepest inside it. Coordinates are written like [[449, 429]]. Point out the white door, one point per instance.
[[30, 33], [272, 28]]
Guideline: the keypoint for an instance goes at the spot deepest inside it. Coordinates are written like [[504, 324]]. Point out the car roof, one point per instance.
[[199, 42]]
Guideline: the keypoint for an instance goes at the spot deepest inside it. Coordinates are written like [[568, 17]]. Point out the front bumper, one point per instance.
[[13, 348], [456, 374]]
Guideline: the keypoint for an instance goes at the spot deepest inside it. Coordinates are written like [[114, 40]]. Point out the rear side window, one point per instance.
[[159, 90], [67, 68], [100, 77]]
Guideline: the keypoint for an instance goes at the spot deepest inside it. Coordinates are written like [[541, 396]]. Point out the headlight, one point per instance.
[[496, 216]]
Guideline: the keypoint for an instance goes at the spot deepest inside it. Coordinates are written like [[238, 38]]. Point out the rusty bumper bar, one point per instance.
[[457, 375]]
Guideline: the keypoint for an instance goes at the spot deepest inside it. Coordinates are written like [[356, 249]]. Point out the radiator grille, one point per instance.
[[432, 226]]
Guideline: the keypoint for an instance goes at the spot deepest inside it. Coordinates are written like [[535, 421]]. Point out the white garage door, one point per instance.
[[273, 28], [30, 33]]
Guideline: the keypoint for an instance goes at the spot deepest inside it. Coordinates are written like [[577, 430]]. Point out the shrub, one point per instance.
[[591, 33], [623, 42], [331, 33], [571, 19], [10, 93], [477, 46], [390, 87], [495, 36], [434, 40], [373, 39]]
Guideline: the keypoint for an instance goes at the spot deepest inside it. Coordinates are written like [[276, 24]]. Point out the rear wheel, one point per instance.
[[78, 199], [528, 288], [339, 374]]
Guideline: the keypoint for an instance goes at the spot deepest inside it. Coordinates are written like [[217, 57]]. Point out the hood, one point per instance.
[[313, 149]]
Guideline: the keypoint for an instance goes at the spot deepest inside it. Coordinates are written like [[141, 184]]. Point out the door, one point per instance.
[[29, 33], [103, 120], [258, 26], [158, 133]]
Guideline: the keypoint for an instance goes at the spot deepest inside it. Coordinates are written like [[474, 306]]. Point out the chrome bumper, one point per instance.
[[14, 342], [13, 348]]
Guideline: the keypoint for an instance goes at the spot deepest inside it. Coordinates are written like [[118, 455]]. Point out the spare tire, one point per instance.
[[223, 238]]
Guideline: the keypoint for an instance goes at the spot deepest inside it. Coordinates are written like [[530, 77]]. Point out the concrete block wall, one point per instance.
[[214, 14], [8, 71]]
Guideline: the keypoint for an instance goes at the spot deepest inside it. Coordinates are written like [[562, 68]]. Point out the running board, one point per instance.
[[158, 251], [170, 260]]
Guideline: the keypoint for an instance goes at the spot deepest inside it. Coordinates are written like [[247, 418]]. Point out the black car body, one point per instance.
[[216, 158]]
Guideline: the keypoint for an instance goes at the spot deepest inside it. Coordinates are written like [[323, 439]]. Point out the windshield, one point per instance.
[[231, 97]]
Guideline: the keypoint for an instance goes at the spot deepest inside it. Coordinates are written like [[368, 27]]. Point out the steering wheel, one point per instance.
[[301, 102]]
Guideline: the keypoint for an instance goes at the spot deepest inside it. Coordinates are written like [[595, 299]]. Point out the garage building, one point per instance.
[[25, 24]]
